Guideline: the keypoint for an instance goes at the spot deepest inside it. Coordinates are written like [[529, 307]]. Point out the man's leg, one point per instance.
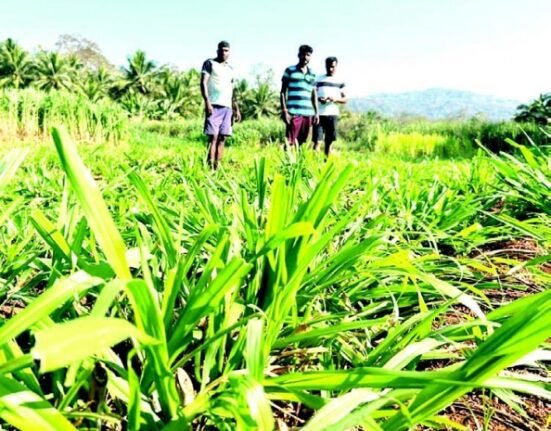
[[292, 132], [211, 152], [219, 150], [317, 135], [330, 133], [225, 131], [212, 127], [327, 149], [305, 124]]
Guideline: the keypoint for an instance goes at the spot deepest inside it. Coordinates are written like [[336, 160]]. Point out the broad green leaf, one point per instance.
[[451, 291], [92, 203], [412, 351], [519, 335], [201, 304], [65, 343], [47, 302], [9, 165], [125, 391], [251, 404], [368, 377], [134, 398], [161, 223], [316, 334], [51, 234], [293, 231], [147, 315], [27, 411], [338, 408], [13, 360], [255, 351]]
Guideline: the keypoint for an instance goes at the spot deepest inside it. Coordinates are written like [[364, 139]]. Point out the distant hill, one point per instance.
[[436, 103]]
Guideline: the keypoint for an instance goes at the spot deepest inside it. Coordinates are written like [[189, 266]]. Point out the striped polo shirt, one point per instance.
[[329, 86], [299, 92]]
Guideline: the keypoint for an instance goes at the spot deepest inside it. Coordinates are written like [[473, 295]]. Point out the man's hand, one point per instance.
[[316, 120], [237, 116], [208, 108], [324, 100], [286, 117]]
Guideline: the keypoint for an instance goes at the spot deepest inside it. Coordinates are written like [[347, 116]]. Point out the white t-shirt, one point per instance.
[[329, 86], [220, 83]]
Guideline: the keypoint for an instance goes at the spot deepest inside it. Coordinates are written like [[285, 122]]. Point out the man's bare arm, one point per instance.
[[235, 107], [283, 101], [205, 92]]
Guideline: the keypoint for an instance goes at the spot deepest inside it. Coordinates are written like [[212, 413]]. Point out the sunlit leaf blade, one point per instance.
[[9, 165], [149, 321], [160, 222], [27, 411], [255, 351], [519, 335], [339, 408], [65, 343], [92, 203], [51, 299]]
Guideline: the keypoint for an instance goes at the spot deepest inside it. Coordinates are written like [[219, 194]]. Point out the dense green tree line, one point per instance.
[[538, 111], [146, 89], [141, 87]]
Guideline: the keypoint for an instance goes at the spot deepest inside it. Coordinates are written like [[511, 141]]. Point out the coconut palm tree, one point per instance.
[[241, 89], [177, 93], [260, 102], [171, 95], [54, 72], [16, 68], [140, 74], [90, 88], [96, 84], [193, 102]]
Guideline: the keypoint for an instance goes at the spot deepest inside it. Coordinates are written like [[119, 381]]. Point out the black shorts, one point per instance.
[[328, 127]]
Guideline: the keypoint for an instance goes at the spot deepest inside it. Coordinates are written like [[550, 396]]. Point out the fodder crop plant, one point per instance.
[[141, 291]]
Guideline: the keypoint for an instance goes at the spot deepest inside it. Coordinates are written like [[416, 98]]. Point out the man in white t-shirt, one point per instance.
[[217, 83], [330, 93]]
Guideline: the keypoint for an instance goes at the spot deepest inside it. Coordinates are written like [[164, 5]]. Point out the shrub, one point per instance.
[[249, 132]]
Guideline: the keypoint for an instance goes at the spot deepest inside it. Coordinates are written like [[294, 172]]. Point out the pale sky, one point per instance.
[[492, 47]]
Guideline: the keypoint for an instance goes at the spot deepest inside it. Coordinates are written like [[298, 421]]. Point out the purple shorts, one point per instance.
[[219, 122], [299, 129]]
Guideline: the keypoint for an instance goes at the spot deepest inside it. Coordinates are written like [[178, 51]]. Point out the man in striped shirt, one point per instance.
[[330, 93], [299, 105]]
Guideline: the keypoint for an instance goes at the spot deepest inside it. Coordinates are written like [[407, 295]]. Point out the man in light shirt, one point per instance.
[[330, 93], [217, 84]]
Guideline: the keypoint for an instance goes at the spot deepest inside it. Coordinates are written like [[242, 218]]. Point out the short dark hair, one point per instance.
[[330, 60], [305, 49], [223, 44]]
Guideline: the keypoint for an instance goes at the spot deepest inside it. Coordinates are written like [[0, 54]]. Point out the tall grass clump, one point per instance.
[[249, 132], [524, 178], [416, 145], [439, 138], [265, 131], [30, 114]]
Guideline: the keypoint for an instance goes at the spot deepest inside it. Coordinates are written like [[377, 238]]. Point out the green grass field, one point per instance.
[[377, 291]]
